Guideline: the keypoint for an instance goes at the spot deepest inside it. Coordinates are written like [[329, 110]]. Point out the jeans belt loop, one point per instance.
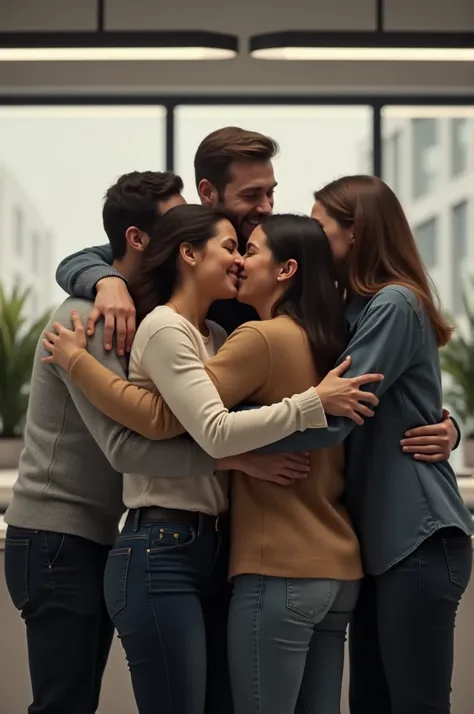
[[136, 520]]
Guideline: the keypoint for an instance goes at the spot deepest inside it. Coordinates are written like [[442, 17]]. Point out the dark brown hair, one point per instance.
[[312, 298], [133, 201], [384, 250], [159, 275], [219, 150]]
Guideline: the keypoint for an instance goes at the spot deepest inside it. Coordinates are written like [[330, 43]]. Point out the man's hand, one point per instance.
[[113, 301], [283, 469], [344, 397], [433, 442]]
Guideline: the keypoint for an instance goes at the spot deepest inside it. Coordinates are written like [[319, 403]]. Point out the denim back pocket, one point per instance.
[[311, 598], [458, 552], [16, 570], [115, 580]]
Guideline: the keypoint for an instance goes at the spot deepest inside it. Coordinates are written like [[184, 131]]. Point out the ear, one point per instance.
[[208, 193], [137, 239], [189, 254], [287, 270]]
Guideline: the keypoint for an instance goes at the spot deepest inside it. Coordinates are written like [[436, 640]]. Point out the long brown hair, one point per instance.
[[384, 250], [159, 275], [311, 298]]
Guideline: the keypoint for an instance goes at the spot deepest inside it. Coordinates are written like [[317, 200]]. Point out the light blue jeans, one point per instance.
[[286, 643]]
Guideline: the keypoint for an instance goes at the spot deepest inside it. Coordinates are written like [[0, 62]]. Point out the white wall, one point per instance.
[[29, 263], [242, 74]]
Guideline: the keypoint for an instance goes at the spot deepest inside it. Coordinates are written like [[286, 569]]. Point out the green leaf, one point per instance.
[[18, 341], [457, 361]]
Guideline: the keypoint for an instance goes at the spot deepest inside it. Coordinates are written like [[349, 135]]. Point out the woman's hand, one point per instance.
[[65, 343], [344, 397]]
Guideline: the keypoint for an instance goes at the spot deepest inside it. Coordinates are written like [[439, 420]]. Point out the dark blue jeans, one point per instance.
[[56, 582], [167, 593], [402, 634]]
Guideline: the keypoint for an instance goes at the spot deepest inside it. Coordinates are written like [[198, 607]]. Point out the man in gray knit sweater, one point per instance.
[[67, 500]]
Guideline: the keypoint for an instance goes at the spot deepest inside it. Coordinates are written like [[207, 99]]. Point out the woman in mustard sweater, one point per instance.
[[298, 542]]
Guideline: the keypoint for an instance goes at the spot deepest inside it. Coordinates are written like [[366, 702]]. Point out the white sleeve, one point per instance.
[[171, 361]]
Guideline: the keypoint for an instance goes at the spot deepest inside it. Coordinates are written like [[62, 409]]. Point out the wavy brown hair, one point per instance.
[[384, 250], [159, 273]]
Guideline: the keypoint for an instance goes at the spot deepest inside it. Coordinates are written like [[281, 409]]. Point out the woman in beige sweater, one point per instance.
[[294, 557]]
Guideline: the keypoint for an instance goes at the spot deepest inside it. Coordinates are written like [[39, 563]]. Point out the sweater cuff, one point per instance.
[[311, 410], [86, 282], [73, 362]]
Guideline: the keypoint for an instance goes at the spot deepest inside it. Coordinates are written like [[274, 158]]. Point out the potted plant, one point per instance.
[[457, 361], [18, 341]]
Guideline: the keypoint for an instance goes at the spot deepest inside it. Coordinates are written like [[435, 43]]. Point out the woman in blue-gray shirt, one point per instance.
[[413, 526]]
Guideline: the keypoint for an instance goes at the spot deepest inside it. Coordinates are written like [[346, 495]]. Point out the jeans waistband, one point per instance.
[[199, 521]]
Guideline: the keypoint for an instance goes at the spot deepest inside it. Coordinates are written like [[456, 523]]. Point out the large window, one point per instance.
[[459, 265], [317, 144], [428, 159], [425, 156], [55, 165], [426, 235]]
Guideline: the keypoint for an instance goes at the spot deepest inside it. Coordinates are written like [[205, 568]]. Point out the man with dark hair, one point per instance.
[[233, 171], [67, 500]]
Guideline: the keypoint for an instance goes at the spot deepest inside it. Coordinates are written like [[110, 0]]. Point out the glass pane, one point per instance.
[[423, 147], [317, 144], [426, 235], [459, 130], [55, 165], [459, 268]]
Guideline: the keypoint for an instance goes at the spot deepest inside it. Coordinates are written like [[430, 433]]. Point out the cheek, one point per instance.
[[259, 273], [339, 244]]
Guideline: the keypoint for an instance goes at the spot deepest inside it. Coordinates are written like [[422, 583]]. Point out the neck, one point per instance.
[[128, 267], [265, 306], [187, 301]]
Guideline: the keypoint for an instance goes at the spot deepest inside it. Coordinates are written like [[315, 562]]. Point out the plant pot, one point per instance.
[[468, 448], [10, 450]]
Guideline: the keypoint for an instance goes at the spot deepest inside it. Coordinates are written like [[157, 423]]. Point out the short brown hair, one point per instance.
[[222, 147]]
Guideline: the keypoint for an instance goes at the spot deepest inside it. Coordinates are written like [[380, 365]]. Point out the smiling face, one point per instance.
[[262, 278], [216, 265], [248, 195]]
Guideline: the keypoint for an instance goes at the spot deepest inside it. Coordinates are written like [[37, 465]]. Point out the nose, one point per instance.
[[265, 207]]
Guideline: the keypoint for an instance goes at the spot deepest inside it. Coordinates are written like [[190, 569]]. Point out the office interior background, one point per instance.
[[68, 129]]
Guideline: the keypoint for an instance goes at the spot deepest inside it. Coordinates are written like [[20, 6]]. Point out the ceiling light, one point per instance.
[[374, 46], [111, 45]]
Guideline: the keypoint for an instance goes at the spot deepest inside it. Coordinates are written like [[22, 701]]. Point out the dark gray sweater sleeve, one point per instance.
[[386, 340], [79, 273], [127, 451]]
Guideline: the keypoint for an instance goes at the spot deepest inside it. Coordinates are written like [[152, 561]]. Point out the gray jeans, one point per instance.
[[286, 643]]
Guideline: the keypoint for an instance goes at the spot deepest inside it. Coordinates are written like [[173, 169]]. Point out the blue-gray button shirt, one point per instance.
[[395, 501]]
